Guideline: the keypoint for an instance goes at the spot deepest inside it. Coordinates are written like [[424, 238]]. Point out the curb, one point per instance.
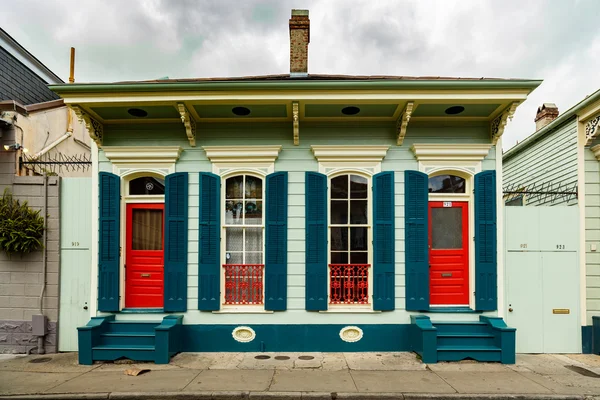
[[240, 395]]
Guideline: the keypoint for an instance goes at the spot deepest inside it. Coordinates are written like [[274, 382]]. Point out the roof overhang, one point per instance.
[[297, 101]]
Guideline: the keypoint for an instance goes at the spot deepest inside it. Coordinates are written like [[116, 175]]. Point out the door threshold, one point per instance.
[[454, 310], [143, 310]]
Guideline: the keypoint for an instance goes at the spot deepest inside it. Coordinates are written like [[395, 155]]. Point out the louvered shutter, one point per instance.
[[176, 241], [276, 242], [416, 246], [316, 241], [209, 239], [486, 292], [109, 242], [383, 242]]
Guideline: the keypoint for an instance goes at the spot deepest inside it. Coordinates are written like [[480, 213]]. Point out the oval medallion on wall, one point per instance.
[[351, 334], [243, 334]]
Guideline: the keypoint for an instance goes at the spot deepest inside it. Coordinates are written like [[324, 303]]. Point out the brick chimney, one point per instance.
[[546, 113], [299, 39]]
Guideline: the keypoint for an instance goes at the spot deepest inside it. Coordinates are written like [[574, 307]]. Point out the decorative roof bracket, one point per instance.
[[592, 130], [296, 122], [402, 123], [95, 129], [499, 123], [188, 121]]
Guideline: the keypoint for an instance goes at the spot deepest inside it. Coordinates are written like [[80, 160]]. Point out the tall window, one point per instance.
[[349, 233], [244, 230]]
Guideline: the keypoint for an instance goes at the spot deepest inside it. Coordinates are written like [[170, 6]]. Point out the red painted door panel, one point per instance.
[[449, 253], [144, 258]]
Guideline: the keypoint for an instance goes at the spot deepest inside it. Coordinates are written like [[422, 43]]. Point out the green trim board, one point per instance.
[[256, 111], [439, 110], [335, 110], [154, 112], [299, 84]]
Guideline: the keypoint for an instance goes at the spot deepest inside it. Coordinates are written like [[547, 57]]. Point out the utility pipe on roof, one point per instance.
[[52, 145]]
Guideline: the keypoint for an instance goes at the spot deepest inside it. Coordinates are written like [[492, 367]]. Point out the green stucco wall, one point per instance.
[[296, 160]]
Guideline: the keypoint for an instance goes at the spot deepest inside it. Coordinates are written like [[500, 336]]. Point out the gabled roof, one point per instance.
[[531, 139]]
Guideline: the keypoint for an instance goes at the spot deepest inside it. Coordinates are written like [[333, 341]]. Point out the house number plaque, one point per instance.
[[561, 311], [447, 204]]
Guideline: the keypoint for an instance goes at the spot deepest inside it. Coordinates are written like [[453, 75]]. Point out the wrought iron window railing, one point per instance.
[[244, 284], [349, 283]]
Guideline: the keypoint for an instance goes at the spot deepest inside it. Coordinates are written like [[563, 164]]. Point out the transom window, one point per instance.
[[147, 185], [447, 184], [244, 232], [349, 240]]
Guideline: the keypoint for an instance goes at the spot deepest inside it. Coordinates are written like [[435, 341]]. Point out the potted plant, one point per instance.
[[21, 228]]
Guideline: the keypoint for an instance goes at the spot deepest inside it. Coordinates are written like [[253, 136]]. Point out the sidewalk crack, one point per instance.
[[441, 377]]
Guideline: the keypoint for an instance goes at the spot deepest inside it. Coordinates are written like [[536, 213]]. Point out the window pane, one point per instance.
[[254, 258], [234, 186], [358, 187], [339, 238], [234, 239], [146, 229], [446, 184], [339, 211], [339, 187], [358, 211], [253, 212], [339, 258], [233, 258], [233, 212], [147, 185], [254, 239], [446, 228], [359, 257], [358, 238], [253, 187]]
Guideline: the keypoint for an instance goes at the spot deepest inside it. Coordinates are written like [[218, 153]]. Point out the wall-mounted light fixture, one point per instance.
[[15, 147]]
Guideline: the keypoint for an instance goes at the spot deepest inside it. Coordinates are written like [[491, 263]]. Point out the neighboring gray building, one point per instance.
[[32, 117], [559, 165]]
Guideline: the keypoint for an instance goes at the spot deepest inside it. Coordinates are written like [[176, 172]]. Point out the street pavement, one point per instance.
[[301, 375]]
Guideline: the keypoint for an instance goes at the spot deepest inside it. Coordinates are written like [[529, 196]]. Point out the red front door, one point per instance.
[[449, 253], [144, 258]]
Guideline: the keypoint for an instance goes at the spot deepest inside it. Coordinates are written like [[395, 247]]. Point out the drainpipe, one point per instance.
[[39, 322]]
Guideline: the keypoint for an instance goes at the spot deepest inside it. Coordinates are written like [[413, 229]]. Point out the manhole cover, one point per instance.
[[282, 358], [262, 357], [40, 360], [306, 358], [582, 371]]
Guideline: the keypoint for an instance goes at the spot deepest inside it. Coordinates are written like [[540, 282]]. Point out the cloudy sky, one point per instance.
[[557, 41]]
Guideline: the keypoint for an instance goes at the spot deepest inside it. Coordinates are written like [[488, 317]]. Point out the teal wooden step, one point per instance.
[[461, 327], [127, 338], [479, 353], [465, 339], [132, 326], [115, 352]]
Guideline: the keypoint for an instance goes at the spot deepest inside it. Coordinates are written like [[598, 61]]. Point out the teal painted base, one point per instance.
[[587, 338], [296, 338]]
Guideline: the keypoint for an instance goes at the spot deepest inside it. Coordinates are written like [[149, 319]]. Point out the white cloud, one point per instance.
[[145, 39]]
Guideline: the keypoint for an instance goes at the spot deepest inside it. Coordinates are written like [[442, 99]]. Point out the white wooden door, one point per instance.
[[75, 259], [542, 278]]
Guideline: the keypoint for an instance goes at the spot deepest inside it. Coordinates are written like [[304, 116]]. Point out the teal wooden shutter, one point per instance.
[[276, 242], [383, 242], [109, 242], [486, 291], [176, 241], [316, 241], [416, 199], [209, 242]]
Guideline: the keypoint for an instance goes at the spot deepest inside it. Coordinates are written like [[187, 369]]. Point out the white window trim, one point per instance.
[[450, 151], [253, 159], [336, 159], [349, 308], [236, 308], [127, 160]]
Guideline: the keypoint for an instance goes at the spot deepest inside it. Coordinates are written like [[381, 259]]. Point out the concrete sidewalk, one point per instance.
[[302, 375]]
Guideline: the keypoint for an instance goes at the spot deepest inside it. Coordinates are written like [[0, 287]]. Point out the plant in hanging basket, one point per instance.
[[21, 228]]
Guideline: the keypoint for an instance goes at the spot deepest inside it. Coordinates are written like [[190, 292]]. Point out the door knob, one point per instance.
[[510, 310], [85, 307]]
